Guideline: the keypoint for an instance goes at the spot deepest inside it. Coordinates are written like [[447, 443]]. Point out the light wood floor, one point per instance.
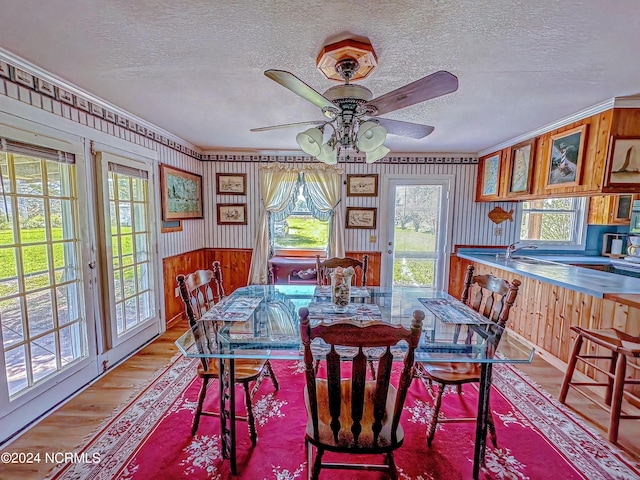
[[66, 429]]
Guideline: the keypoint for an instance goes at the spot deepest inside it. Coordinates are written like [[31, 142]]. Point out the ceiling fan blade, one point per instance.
[[297, 86], [287, 125], [405, 129], [432, 86]]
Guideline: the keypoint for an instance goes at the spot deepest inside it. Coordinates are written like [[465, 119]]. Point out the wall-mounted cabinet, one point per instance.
[[611, 209], [595, 155]]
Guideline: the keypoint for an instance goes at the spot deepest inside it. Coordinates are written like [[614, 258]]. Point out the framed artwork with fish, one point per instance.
[[520, 168], [623, 164], [488, 183], [565, 157]]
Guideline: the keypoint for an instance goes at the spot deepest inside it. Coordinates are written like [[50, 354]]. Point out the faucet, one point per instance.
[[511, 249]]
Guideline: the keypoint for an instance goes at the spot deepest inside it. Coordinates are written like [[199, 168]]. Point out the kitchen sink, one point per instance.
[[533, 260]]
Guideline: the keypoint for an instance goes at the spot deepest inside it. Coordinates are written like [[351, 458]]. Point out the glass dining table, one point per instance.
[[261, 321]]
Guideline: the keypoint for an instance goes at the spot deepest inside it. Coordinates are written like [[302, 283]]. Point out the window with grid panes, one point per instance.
[[41, 295], [129, 212]]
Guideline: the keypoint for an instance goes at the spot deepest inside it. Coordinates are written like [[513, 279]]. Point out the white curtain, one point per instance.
[[324, 186], [277, 186]]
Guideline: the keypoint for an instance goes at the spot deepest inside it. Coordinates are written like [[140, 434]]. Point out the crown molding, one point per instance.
[[594, 110], [632, 101], [36, 71]]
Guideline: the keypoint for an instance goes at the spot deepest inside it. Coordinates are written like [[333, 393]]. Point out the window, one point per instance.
[[41, 302], [300, 229], [131, 265], [554, 221]]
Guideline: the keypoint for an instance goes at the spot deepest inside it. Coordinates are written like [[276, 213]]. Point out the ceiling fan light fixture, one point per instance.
[[328, 155], [377, 154], [371, 135], [310, 141]]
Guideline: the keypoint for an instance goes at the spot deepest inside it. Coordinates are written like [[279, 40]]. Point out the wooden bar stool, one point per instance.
[[621, 345]]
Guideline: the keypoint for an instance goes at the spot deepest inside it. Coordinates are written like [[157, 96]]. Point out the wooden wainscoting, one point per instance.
[[235, 265], [373, 272], [235, 272], [184, 263]]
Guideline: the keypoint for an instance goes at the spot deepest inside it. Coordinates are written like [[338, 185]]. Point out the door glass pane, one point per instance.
[[28, 171], [44, 356], [16, 362], [12, 329], [39, 307], [31, 219], [70, 344], [7, 231], [54, 179], [416, 222]]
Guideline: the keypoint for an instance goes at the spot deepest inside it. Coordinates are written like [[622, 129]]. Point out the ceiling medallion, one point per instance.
[[347, 55]]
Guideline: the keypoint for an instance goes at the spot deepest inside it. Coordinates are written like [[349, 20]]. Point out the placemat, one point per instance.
[[356, 292], [237, 310], [453, 311], [359, 311]]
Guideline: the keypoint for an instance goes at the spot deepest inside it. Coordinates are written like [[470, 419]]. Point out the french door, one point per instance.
[[129, 256], [419, 213], [47, 332]]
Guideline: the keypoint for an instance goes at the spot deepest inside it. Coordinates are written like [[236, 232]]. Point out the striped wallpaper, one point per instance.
[[470, 225]]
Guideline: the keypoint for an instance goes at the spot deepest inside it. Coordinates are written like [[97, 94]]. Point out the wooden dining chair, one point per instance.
[[324, 268], [197, 290], [205, 289], [493, 298], [616, 347], [345, 412]]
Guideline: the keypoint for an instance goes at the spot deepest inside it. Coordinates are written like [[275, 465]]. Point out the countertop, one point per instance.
[[592, 282]]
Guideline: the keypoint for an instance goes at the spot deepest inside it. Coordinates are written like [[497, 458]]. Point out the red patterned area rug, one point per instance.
[[150, 438]]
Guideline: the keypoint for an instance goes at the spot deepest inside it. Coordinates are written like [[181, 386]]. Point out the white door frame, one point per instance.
[[111, 351], [443, 248]]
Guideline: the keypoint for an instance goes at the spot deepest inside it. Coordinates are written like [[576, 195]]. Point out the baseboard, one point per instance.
[[173, 321]]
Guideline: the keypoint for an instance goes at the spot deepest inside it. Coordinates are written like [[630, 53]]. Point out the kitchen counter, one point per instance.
[[554, 269]]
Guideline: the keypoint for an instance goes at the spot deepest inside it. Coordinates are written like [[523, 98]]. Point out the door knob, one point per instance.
[[389, 251]]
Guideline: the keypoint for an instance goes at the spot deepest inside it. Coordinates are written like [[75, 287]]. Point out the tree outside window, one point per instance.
[[554, 221]]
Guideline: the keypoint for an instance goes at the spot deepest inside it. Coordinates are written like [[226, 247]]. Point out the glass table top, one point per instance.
[[261, 321]]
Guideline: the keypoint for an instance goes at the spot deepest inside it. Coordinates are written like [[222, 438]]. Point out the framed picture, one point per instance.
[[565, 157], [623, 164], [231, 183], [171, 226], [359, 217], [181, 194], [489, 177], [232, 214], [362, 185], [520, 168]]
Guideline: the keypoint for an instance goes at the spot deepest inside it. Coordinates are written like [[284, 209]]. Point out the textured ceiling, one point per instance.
[[195, 68]]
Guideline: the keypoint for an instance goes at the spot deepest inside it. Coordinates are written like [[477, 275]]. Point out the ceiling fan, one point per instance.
[[352, 113]]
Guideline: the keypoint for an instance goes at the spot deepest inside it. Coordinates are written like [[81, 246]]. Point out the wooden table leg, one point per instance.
[[228, 411], [482, 419]]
